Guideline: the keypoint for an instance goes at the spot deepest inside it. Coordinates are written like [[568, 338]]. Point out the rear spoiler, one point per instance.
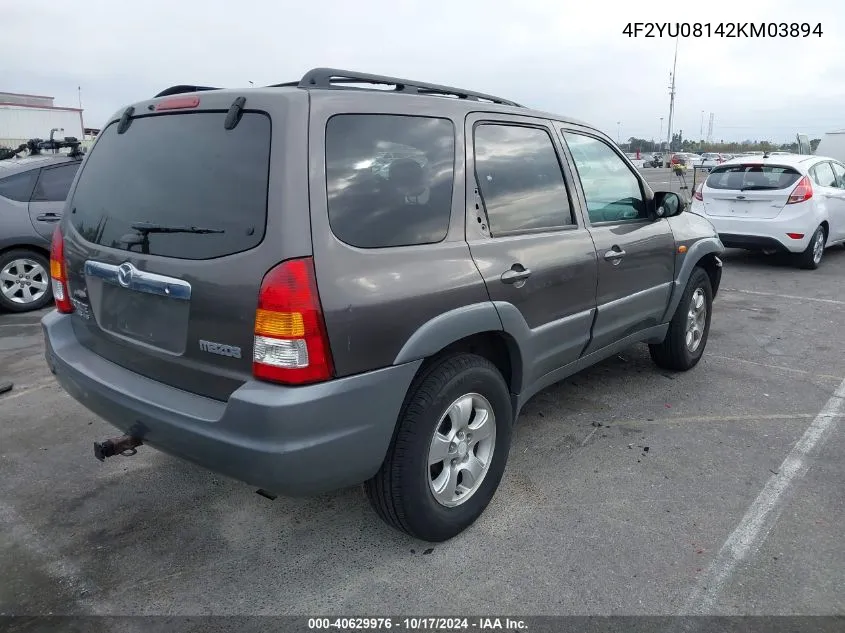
[[182, 89]]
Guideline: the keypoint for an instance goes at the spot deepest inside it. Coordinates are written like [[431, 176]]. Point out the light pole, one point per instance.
[[660, 136], [672, 99], [619, 133]]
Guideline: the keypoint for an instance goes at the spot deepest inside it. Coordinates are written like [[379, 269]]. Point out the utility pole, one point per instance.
[[81, 120], [701, 131], [660, 136], [618, 133], [672, 99]]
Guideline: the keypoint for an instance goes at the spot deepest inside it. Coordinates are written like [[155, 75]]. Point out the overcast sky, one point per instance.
[[566, 57]]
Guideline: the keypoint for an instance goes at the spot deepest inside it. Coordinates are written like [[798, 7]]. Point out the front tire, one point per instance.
[[812, 255], [689, 328], [449, 451], [24, 280]]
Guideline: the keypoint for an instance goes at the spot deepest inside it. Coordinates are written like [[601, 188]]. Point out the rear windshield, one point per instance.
[[752, 177], [177, 173]]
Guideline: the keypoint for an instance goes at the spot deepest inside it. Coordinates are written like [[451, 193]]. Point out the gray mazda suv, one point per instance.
[[317, 284]]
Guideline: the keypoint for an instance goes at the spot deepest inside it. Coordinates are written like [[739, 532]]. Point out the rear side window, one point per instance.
[[839, 172], [823, 175], [520, 179], [18, 187], [54, 183], [389, 179], [149, 189], [752, 177]]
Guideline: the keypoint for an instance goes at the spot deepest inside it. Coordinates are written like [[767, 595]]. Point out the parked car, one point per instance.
[[710, 159], [32, 194], [791, 204], [653, 160], [685, 158], [368, 315]]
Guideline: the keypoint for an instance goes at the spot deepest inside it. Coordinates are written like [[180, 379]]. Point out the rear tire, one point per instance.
[[22, 265], [812, 255], [403, 491], [689, 328]]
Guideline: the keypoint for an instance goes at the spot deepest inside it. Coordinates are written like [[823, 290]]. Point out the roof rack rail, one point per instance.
[[181, 89], [334, 78]]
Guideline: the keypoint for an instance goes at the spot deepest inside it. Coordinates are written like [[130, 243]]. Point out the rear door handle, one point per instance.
[[515, 274], [49, 217], [614, 255]]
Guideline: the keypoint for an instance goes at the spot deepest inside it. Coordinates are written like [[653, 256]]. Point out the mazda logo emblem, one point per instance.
[[124, 274]]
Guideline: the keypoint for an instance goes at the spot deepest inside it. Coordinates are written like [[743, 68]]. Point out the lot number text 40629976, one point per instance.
[[722, 29]]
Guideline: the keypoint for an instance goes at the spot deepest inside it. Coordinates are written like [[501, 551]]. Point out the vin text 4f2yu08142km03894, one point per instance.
[[332, 285]]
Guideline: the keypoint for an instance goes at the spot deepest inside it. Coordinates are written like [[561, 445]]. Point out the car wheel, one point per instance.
[[812, 255], [24, 281], [689, 328], [449, 451]]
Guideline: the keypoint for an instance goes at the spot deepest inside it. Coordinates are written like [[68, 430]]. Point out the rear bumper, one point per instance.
[[764, 233], [289, 440], [752, 242]]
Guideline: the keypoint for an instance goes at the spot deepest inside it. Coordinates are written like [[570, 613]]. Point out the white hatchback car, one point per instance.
[[788, 203]]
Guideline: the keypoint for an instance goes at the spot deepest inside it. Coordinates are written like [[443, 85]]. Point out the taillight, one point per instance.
[[291, 345], [803, 191], [697, 194], [58, 273]]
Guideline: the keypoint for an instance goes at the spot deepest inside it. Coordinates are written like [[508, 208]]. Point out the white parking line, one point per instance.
[[764, 512], [778, 367], [779, 296]]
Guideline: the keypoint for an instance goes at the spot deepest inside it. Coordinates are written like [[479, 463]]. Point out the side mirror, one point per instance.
[[668, 204]]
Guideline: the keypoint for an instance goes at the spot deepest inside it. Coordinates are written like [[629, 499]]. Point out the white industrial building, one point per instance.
[[23, 117]]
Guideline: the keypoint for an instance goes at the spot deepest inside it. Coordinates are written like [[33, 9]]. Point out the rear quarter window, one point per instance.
[[389, 179], [750, 177]]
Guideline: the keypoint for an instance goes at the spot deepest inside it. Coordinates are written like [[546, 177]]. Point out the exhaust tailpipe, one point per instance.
[[124, 445]]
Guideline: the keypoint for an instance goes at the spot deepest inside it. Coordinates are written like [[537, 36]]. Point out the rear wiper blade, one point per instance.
[[758, 188], [145, 228]]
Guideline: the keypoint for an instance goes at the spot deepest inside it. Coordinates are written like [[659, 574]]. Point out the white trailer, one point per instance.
[[832, 145], [23, 117]]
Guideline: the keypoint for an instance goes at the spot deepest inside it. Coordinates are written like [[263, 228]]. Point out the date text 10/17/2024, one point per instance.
[[419, 624], [722, 29]]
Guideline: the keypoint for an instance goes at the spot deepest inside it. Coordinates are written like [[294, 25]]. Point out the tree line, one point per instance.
[[680, 144]]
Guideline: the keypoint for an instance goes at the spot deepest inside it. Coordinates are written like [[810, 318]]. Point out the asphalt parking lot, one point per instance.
[[690, 496]]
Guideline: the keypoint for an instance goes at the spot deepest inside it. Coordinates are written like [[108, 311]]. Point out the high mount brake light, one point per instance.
[[178, 103]]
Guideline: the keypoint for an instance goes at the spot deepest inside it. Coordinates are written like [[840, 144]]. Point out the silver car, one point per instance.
[[32, 194]]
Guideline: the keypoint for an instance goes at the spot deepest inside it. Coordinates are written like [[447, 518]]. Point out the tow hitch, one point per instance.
[[124, 445]]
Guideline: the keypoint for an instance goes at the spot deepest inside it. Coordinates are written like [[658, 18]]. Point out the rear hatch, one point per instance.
[[167, 240], [748, 190]]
